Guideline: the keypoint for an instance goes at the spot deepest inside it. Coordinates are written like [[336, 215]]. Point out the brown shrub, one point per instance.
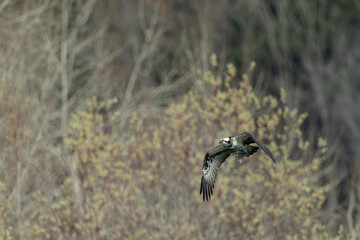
[[143, 182]]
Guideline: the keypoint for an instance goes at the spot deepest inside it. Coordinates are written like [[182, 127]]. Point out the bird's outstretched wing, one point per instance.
[[249, 138], [212, 162], [237, 145]]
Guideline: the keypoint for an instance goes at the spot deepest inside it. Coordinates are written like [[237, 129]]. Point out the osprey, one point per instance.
[[239, 146]]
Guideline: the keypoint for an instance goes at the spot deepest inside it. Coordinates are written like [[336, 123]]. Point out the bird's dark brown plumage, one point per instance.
[[252, 139], [217, 155]]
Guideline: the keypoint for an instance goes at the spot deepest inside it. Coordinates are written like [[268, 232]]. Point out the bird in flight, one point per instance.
[[239, 146]]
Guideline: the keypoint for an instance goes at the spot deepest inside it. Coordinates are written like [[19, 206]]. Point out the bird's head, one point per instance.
[[226, 141]]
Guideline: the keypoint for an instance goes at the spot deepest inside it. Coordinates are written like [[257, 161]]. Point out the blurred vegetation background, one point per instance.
[[108, 107]]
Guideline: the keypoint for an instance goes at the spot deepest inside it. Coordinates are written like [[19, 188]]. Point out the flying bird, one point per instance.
[[239, 146]]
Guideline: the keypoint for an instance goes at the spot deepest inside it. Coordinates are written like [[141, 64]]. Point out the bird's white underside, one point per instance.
[[234, 142]]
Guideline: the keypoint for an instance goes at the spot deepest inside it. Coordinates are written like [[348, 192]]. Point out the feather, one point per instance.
[[250, 138], [210, 169]]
